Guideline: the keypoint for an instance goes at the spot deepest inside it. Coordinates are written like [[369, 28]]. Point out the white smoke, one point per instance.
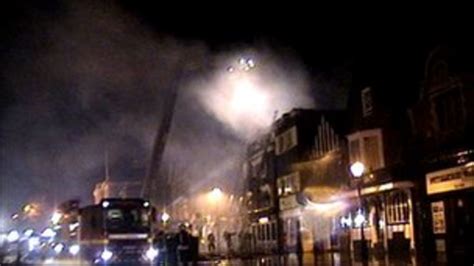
[[245, 91]]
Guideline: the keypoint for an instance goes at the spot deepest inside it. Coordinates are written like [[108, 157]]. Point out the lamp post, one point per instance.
[[357, 171]]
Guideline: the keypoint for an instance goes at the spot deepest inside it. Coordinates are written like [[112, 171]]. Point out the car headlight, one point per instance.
[[106, 255], [58, 248], [74, 249], [151, 253]]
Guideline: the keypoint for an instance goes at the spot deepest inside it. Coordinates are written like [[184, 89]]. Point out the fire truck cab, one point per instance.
[[117, 231]]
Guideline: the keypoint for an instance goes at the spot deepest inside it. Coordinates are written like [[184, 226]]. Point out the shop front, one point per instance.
[[385, 219], [451, 199]]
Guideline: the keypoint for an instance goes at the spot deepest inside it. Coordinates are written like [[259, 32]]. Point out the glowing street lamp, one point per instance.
[[357, 171]]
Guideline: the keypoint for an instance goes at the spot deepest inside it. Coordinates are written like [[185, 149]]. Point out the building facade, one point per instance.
[[443, 126], [260, 196], [310, 157], [379, 138]]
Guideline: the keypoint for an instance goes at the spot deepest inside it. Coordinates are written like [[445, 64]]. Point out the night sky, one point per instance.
[[82, 77]]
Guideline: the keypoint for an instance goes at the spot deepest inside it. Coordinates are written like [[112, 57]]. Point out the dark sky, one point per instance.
[[82, 77]]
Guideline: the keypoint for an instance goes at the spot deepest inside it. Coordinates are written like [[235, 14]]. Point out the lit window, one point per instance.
[[397, 208], [367, 147], [289, 184]]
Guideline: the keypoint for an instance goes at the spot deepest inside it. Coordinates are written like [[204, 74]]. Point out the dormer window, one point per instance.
[[367, 103]]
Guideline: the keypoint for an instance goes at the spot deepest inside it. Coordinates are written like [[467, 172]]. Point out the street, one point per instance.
[[270, 261]]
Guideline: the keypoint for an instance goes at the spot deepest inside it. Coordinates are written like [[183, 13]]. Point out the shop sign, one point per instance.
[[451, 179], [437, 212]]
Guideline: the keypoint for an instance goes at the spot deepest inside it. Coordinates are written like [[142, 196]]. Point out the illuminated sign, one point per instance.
[[451, 179]]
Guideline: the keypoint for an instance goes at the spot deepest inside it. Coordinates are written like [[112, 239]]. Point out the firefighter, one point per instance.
[[184, 245]]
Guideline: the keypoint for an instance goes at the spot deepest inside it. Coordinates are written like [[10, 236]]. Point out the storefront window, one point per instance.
[[397, 208]]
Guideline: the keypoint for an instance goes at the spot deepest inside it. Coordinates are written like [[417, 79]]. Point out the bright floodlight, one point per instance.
[[58, 248], [246, 98], [106, 255], [74, 249], [165, 217], [146, 204], [151, 253], [357, 169], [216, 193], [13, 236], [250, 63], [56, 217]]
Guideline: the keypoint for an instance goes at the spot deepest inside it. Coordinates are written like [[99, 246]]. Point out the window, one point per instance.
[[286, 141], [274, 231], [367, 103], [267, 230], [354, 150], [372, 157], [367, 147], [292, 227], [397, 208], [120, 218], [289, 184]]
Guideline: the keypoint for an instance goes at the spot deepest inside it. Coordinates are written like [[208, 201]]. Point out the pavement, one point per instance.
[[333, 259], [309, 260]]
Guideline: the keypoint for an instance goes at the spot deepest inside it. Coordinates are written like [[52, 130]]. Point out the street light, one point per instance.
[[357, 171]]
